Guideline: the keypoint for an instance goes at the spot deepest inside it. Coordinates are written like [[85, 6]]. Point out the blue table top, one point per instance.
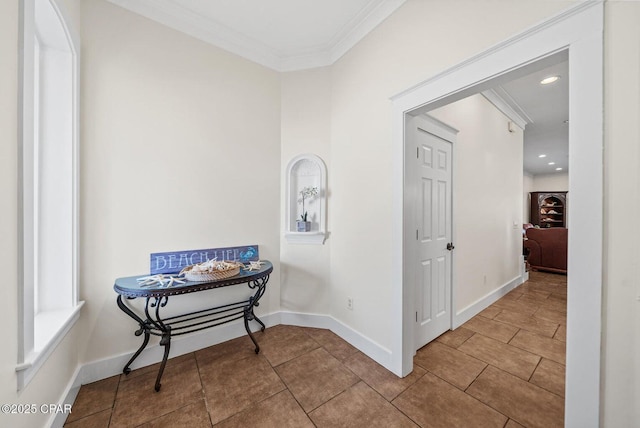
[[130, 286]]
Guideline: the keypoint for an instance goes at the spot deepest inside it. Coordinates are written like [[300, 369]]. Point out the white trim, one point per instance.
[[441, 129], [26, 93], [300, 62], [372, 349], [111, 366], [29, 359], [360, 26], [465, 314], [217, 34], [585, 249], [181, 19], [68, 397], [498, 101], [26, 370], [316, 238], [75, 44], [580, 31]]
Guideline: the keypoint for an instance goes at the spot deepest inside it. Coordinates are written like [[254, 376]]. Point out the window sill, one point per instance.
[[50, 328]]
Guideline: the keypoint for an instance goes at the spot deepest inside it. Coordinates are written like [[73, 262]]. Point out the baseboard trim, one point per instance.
[[111, 366], [57, 419], [107, 367], [372, 349], [479, 305]]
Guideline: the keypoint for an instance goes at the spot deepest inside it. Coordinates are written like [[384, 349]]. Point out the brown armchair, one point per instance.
[[547, 249]]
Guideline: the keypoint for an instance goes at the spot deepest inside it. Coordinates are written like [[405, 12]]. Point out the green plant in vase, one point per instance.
[[307, 193]]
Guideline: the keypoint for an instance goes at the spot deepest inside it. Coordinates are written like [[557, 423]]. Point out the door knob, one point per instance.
[[450, 246]]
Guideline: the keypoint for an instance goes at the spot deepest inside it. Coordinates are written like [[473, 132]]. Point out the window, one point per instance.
[[48, 187]]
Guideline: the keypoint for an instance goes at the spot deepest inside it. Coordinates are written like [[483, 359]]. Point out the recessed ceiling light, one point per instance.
[[549, 80], [558, 169], [552, 163], [542, 156]]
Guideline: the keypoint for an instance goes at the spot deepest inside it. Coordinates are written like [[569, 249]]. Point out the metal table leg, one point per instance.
[[144, 328]]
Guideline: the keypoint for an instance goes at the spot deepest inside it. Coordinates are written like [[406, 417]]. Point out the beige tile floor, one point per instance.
[[503, 368]]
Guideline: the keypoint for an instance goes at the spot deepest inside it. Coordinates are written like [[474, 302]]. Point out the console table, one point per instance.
[[157, 297]]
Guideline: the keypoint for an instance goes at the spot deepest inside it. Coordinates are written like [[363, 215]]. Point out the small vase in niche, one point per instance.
[[303, 226]]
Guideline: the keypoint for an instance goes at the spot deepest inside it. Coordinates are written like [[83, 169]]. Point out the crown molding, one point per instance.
[[208, 30], [181, 19], [320, 58], [505, 107], [361, 25]]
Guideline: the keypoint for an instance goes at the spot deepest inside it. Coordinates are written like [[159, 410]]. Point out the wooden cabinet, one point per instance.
[[549, 209]]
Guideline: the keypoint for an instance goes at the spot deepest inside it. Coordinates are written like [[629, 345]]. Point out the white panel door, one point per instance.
[[432, 172]]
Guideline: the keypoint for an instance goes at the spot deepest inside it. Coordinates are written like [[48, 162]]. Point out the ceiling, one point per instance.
[[288, 35], [545, 110]]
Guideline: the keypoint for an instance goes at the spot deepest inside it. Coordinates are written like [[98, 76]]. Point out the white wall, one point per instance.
[[306, 125], [419, 40], [486, 198], [8, 187], [180, 150], [550, 182], [621, 298]]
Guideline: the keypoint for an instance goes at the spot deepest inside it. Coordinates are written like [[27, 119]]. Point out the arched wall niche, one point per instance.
[[306, 171]]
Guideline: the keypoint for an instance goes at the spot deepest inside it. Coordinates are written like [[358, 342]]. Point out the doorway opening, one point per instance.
[[577, 34]]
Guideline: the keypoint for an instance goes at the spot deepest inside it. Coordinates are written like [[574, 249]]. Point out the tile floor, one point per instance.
[[503, 368]]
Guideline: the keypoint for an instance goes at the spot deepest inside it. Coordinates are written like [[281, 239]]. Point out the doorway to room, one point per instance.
[[487, 210], [487, 255], [578, 32]]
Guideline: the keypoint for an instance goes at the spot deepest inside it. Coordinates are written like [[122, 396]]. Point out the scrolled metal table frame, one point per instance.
[[158, 297]]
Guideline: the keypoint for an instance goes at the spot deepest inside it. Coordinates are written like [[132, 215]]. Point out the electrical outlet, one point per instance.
[[350, 303]]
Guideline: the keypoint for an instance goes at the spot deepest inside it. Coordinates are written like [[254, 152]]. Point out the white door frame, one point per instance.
[[579, 31]]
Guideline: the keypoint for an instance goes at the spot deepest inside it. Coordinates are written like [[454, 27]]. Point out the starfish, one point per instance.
[[160, 280], [254, 265]]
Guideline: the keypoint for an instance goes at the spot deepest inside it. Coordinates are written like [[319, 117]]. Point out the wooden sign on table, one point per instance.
[[175, 261]]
